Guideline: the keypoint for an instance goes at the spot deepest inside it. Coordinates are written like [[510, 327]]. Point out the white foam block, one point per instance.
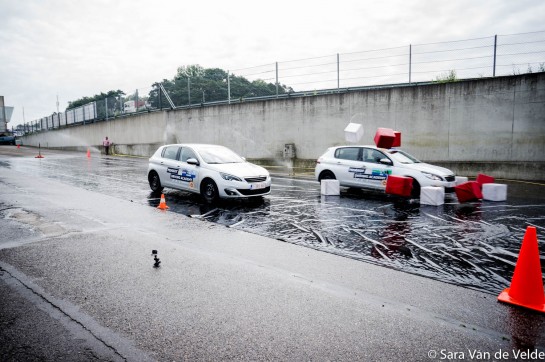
[[494, 192], [353, 132], [431, 195], [460, 180], [331, 188]]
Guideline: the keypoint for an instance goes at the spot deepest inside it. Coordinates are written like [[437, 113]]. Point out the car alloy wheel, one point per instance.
[[209, 191], [155, 182]]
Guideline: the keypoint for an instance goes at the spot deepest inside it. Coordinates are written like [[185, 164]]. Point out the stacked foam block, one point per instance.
[[330, 188], [483, 188], [399, 185], [387, 138], [353, 132], [432, 195]]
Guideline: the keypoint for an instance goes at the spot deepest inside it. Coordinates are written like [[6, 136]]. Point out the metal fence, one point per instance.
[[471, 58], [491, 56]]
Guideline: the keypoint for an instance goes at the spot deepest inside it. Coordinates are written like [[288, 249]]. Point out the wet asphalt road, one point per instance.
[[79, 251], [474, 245]]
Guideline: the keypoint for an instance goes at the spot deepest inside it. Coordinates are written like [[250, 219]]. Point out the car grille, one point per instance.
[[249, 192], [256, 179], [450, 178]]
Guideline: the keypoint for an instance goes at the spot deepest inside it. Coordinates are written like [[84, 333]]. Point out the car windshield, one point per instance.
[[402, 156], [218, 154]]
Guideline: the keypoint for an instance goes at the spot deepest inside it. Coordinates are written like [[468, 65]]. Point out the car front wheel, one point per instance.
[[209, 191], [415, 193]]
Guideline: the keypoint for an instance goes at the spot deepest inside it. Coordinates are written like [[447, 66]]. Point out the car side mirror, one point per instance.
[[192, 161], [386, 161]]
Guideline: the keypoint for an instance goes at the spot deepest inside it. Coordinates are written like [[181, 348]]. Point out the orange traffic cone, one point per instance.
[[526, 288], [88, 153], [39, 152], [162, 204]]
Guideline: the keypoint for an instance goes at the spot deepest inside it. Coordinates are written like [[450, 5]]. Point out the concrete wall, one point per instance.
[[471, 123]]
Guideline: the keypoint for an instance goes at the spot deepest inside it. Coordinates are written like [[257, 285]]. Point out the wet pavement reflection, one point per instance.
[[474, 245]]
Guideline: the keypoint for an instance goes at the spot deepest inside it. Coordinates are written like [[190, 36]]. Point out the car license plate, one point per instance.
[[257, 186]]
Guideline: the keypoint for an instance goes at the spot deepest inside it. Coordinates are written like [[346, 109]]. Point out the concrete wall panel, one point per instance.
[[496, 120]]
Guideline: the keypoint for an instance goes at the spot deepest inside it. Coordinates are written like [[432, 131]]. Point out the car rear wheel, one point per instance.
[[327, 175], [209, 191], [155, 182]]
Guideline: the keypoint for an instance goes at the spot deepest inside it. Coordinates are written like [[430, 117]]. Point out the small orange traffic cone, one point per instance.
[[162, 204], [526, 288], [88, 153], [39, 152]]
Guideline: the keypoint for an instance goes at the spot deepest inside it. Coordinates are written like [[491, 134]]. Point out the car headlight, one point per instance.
[[229, 177], [432, 176]]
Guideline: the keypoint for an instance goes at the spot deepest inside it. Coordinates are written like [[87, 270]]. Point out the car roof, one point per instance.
[[367, 146], [196, 145]]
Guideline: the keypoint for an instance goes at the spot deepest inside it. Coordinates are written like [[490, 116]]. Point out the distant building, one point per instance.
[[5, 115], [133, 106]]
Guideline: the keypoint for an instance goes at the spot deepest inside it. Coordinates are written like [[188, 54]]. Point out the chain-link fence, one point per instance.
[[491, 56]]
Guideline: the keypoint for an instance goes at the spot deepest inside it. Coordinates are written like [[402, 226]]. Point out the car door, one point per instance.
[[169, 166], [347, 164], [187, 176], [376, 172]]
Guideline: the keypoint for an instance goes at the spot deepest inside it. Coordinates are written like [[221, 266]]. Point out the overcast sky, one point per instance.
[[71, 49]]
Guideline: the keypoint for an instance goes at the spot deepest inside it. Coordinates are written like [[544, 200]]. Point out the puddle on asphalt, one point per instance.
[[473, 245]]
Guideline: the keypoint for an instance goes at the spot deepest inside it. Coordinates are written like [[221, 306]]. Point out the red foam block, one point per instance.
[[384, 137], [397, 140], [484, 179], [468, 191], [399, 185]]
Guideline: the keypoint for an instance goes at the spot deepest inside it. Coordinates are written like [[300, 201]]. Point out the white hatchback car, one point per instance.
[[210, 170], [369, 167]]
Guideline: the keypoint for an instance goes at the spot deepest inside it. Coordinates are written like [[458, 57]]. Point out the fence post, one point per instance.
[[410, 61], [160, 97], [495, 46], [338, 75], [228, 88], [106, 106], [276, 79]]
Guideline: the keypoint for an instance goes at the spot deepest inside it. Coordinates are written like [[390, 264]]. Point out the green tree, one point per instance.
[[194, 84], [113, 100], [85, 100]]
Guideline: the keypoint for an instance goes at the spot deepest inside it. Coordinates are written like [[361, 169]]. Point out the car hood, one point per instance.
[[243, 169], [426, 167]]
